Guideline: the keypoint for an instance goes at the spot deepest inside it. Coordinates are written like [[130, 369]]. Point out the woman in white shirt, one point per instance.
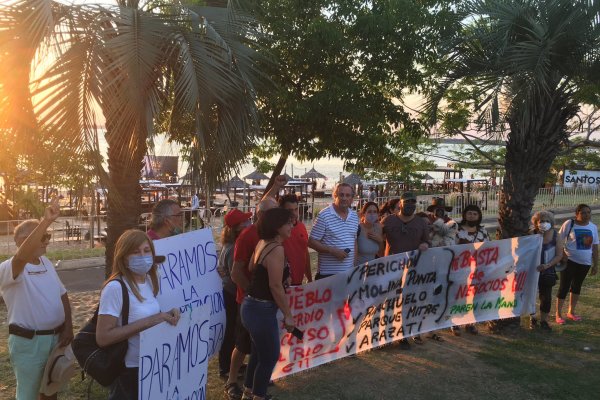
[[581, 246], [135, 264]]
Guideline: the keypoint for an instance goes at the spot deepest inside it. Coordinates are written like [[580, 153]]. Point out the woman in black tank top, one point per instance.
[[266, 294]]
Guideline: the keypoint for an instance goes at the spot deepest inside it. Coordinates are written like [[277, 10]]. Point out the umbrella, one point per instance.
[[428, 177], [256, 176], [353, 179], [287, 177], [235, 183], [313, 174]]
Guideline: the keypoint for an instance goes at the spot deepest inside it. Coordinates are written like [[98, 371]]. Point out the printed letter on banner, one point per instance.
[[408, 294]]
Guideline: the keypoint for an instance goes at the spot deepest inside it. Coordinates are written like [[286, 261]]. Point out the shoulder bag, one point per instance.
[[103, 364]]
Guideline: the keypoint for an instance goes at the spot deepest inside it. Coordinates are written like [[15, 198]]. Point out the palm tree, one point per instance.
[[521, 66], [129, 65]]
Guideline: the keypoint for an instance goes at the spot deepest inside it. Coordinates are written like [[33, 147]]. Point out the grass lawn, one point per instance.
[[523, 364]]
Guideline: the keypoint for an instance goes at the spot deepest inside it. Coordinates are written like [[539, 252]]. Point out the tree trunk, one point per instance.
[[277, 171], [536, 132], [124, 191]]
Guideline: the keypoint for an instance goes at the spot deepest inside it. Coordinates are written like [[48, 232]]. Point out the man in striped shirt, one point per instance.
[[333, 234]]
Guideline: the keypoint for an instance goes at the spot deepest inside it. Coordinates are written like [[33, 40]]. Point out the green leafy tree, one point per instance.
[[341, 67], [125, 64], [525, 67]]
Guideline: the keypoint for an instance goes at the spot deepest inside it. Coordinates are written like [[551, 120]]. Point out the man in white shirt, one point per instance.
[[333, 234], [39, 314]]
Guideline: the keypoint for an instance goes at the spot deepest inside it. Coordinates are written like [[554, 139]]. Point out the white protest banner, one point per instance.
[[408, 294], [188, 280], [174, 359]]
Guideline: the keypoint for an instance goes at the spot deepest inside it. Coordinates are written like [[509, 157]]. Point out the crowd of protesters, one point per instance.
[[257, 262]]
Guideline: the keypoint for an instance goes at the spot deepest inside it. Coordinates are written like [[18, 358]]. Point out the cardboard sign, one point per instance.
[[190, 282]]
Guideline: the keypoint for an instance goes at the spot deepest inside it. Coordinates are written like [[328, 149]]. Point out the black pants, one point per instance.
[[126, 386], [545, 295], [231, 313], [572, 278]]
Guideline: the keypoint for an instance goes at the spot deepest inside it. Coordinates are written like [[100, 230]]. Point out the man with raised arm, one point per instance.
[[39, 314]]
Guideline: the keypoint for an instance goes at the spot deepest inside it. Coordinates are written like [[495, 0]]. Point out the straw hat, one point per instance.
[[60, 368]]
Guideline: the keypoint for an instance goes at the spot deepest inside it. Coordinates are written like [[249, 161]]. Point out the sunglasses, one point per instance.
[[46, 237]]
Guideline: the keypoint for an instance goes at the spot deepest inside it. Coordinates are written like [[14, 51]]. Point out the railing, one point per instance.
[[83, 237]]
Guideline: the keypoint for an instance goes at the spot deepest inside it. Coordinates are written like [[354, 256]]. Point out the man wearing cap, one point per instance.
[[235, 222], [240, 274], [334, 232], [39, 314], [444, 227], [167, 220], [403, 232]]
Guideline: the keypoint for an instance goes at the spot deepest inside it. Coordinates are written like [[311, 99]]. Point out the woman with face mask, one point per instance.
[[135, 264], [552, 250], [470, 230], [370, 238]]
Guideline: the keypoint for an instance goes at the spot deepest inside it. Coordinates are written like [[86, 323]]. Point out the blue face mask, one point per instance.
[[140, 264]]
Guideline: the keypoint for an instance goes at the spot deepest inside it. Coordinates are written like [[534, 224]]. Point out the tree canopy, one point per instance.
[[519, 69]]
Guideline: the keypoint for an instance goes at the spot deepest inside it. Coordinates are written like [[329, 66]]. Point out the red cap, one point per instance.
[[236, 217]]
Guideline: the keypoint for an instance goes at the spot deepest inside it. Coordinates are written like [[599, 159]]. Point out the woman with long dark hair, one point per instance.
[[265, 296]]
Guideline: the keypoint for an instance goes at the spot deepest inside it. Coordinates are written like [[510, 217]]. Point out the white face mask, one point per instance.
[[372, 218], [545, 226], [140, 264]]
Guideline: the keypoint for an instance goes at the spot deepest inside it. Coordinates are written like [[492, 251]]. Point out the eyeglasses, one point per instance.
[[46, 237]]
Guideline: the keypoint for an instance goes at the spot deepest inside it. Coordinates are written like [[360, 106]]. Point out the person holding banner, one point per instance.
[[581, 247], [552, 250], [404, 232], [470, 230], [135, 263], [235, 222], [265, 296], [333, 234], [370, 236]]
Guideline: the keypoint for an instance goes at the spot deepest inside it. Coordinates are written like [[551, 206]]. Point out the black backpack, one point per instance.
[[103, 364]]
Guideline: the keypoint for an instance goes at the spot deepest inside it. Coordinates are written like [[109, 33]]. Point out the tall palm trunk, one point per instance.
[[536, 132], [123, 200]]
